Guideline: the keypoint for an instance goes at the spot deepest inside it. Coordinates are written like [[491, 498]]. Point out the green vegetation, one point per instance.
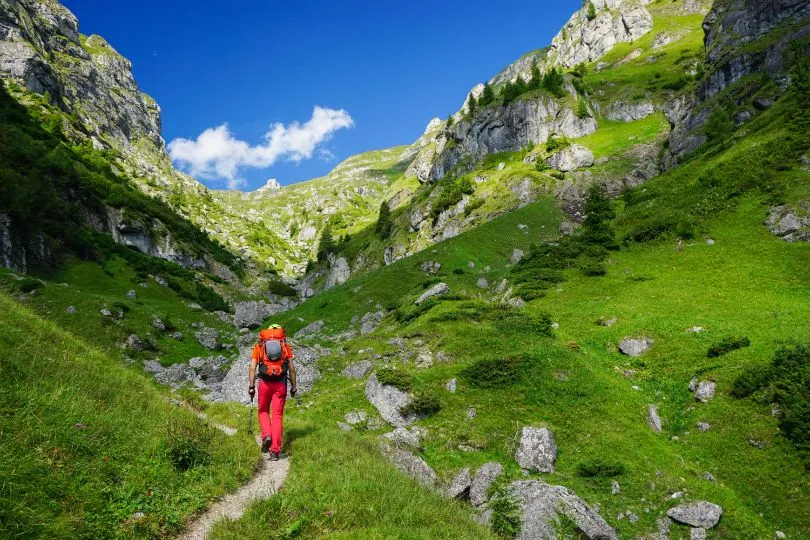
[[384, 222], [452, 191], [727, 345], [396, 378], [591, 13]]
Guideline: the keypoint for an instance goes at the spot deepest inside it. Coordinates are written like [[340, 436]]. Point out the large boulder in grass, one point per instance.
[[437, 290], [635, 346], [484, 477], [459, 488], [571, 158], [542, 506], [409, 464], [701, 514], [537, 450], [389, 401]]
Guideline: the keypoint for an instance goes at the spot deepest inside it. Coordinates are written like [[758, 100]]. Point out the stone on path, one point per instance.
[[537, 450]]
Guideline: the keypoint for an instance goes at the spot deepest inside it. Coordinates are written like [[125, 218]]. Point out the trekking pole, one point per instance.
[[250, 420]]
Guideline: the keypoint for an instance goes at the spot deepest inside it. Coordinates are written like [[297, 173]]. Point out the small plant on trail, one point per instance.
[[727, 345], [396, 378]]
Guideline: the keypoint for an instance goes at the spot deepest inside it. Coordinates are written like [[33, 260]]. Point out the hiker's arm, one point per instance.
[[293, 379]]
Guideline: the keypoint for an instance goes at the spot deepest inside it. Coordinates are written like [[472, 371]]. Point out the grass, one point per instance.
[[88, 442], [613, 138]]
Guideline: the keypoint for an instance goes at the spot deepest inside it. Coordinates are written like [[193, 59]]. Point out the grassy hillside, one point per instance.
[[715, 267], [91, 448]]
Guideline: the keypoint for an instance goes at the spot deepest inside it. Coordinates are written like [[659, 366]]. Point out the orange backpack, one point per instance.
[[273, 354]]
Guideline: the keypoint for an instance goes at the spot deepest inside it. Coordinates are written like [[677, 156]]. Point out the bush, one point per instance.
[[492, 372], [396, 378], [451, 194], [727, 345], [599, 467], [591, 13], [28, 285], [121, 306], [788, 381], [423, 404], [458, 271], [188, 443], [280, 288], [720, 126], [592, 268], [555, 143], [505, 512]]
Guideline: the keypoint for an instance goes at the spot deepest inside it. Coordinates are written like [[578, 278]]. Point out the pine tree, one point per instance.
[[720, 125], [384, 223], [596, 228], [591, 11], [487, 96], [553, 82], [471, 105], [535, 79], [326, 245]]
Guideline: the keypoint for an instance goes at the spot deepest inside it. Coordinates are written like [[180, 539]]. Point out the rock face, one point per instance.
[[409, 464], [437, 290], [543, 504], [252, 314], [537, 450], [697, 514], [571, 158], [630, 112], [389, 400], [311, 329], [484, 477], [584, 40], [499, 129], [339, 272], [635, 346]]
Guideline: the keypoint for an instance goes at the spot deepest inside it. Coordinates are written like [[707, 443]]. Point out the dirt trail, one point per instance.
[[267, 480]]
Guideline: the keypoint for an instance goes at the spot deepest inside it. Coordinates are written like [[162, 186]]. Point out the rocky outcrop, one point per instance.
[[790, 223], [630, 112], [18, 252], [500, 129], [437, 290], [339, 272], [409, 464], [571, 158], [484, 478], [584, 40], [542, 505], [635, 346], [389, 401], [251, 314], [537, 450]]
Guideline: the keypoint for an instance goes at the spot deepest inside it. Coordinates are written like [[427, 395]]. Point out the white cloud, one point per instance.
[[217, 154]]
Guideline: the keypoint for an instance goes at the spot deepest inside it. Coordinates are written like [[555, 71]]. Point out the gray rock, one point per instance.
[[177, 336], [409, 464], [402, 436], [135, 343], [459, 488], [537, 450], [424, 359], [339, 272], [132, 295], [343, 426], [697, 533], [615, 488], [742, 117], [208, 338], [482, 283], [653, 420], [623, 111], [471, 413], [106, 312], [704, 392], [371, 321], [697, 514], [451, 386], [542, 505], [763, 103], [161, 281], [567, 228], [354, 418], [709, 476], [389, 400], [158, 324], [484, 477], [635, 346], [517, 256], [252, 314], [311, 329], [703, 426], [357, 370], [437, 290], [571, 158], [70, 310], [431, 268], [780, 535]]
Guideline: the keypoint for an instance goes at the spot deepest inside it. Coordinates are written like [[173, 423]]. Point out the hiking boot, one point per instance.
[[266, 443], [275, 456]]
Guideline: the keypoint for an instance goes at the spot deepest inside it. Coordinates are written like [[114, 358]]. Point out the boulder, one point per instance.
[[70, 310], [704, 391], [542, 505], [635, 346], [135, 343], [437, 290], [158, 324], [357, 370], [482, 283], [252, 314], [517, 256], [459, 488], [653, 420], [537, 450], [371, 321], [431, 268], [311, 329], [451, 385], [409, 464], [697, 514], [389, 400], [402, 436], [339, 272], [208, 338], [484, 477], [132, 295], [571, 158]]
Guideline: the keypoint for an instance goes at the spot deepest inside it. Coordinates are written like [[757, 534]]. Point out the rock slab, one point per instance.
[[484, 478], [389, 401], [701, 514], [537, 450]]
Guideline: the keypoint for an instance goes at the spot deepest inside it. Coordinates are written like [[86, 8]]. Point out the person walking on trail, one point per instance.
[[272, 360]]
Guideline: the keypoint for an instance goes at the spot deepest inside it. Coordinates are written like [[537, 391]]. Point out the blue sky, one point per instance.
[[378, 70]]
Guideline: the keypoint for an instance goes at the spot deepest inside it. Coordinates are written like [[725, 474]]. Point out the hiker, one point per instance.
[[274, 359]]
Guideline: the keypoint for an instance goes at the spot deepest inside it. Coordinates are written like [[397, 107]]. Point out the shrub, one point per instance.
[[599, 467], [727, 345], [749, 381], [423, 404], [492, 372], [28, 285], [720, 125], [451, 194], [280, 288], [487, 96], [592, 268], [591, 13], [505, 512], [188, 442], [582, 109], [555, 143], [121, 306], [396, 378], [458, 271], [553, 82]]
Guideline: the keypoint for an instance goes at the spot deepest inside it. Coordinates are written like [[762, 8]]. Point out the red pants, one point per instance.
[[272, 396]]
